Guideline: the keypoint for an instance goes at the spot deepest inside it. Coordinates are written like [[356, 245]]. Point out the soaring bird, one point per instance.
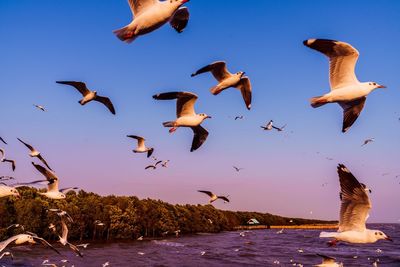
[[353, 212], [328, 262], [149, 15], [35, 153], [239, 117], [25, 238], [237, 169], [346, 90], [39, 107], [367, 141], [226, 80], [213, 197], [89, 95], [186, 116], [164, 163], [4, 159], [141, 147], [153, 166], [52, 188]]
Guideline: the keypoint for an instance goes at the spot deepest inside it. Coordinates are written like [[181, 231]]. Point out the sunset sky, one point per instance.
[[45, 41]]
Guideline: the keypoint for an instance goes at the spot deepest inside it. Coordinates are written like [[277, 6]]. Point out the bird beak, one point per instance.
[[381, 86], [209, 117], [389, 239]]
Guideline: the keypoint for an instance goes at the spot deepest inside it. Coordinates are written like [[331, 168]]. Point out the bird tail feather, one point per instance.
[[125, 34], [318, 101], [328, 234], [168, 124]]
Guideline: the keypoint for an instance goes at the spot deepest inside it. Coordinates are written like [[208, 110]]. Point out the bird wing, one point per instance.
[[355, 202], [244, 86], [80, 86], [44, 242], [43, 182], [66, 190], [75, 249], [184, 104], [8, 241], [150, 166], [64, 230], [209, 193], [44, 161], [351, 111], [138, 6], [2, 140], [150, 152], [12, 163], [199, 137], [27, 145], [139, 139], [180, 19], [107, 102], [158, 162], [223, 198], [218, 70], [342, 61], [50, 176], [2, 153]]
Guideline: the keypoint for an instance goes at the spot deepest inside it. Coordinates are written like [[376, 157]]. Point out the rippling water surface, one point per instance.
[[256, 248]]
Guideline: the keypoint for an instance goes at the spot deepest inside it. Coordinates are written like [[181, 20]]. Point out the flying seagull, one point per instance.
[[64, 235], [52, 188], [269, 126], [39, 107], [35, 153], [213, 197], [186, 116], [149, 15], [328, 262], [2, 140], [237, 169], [346, 90], [226, 80], [141, 147], [7, 254], [367, 141], [353, 212], [25, 238], [164, 163], [153, 166], [239, 117], [3, 159], [89, 95]]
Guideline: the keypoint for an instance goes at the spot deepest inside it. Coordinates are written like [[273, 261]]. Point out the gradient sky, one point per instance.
[[45, 41]]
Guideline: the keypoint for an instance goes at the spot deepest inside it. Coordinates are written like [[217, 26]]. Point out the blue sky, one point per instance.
[[45, 41]]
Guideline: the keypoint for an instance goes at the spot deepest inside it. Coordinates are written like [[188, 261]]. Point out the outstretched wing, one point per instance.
[[199, 137], [107, 102], [180, 19], [245, 88], [209, 193], [45, 243], [27, 145], [185, 102], [351, 111], [80, 86], [223, 198], [218, 70]]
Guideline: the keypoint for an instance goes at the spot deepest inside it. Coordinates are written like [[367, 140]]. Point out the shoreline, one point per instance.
[[301, 226]]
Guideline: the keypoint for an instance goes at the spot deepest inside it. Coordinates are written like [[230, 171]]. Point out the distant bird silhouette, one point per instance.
[[153, 166], [35, 153], [237, 169], [367, 141], [40, 107], [141, 147], [214, 197], [89, 95]]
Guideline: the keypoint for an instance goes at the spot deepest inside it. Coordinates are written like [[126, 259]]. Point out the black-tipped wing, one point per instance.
[[75, 249], [2, 140], [351, 111], [199, 137], [150, 167], [210, 194], [355, 202], [44, 162], [185, 102], [150, 152], [45, 243], [223, 198], [342, 60], [158, 162], [180, 19], [67, 189], [12, 163], [107, 102], [80, 86], [27, 145], [218, 70], [245, 88]]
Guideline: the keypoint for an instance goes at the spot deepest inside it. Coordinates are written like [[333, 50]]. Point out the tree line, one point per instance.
[[122, 217]]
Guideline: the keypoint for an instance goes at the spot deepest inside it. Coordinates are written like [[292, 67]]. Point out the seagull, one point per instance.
[[280, 231], [106, 264], [7, 254], [83, 245], [24, 238], [346, 90], [62, 213], [3, 159], [213, 197], [98, 223], [140, 238], [226, 80], [269, 126], [64, 235], [40, 107], [2, 140], [89, 95], [52, 187], [279, 129], [237, 169], [150, 15], [164, 163], [239, 117], [35, 153], [353, 212], [186, 116], [367, 141], [153, 166], [141, 148], [328, 262], [6, 191]]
